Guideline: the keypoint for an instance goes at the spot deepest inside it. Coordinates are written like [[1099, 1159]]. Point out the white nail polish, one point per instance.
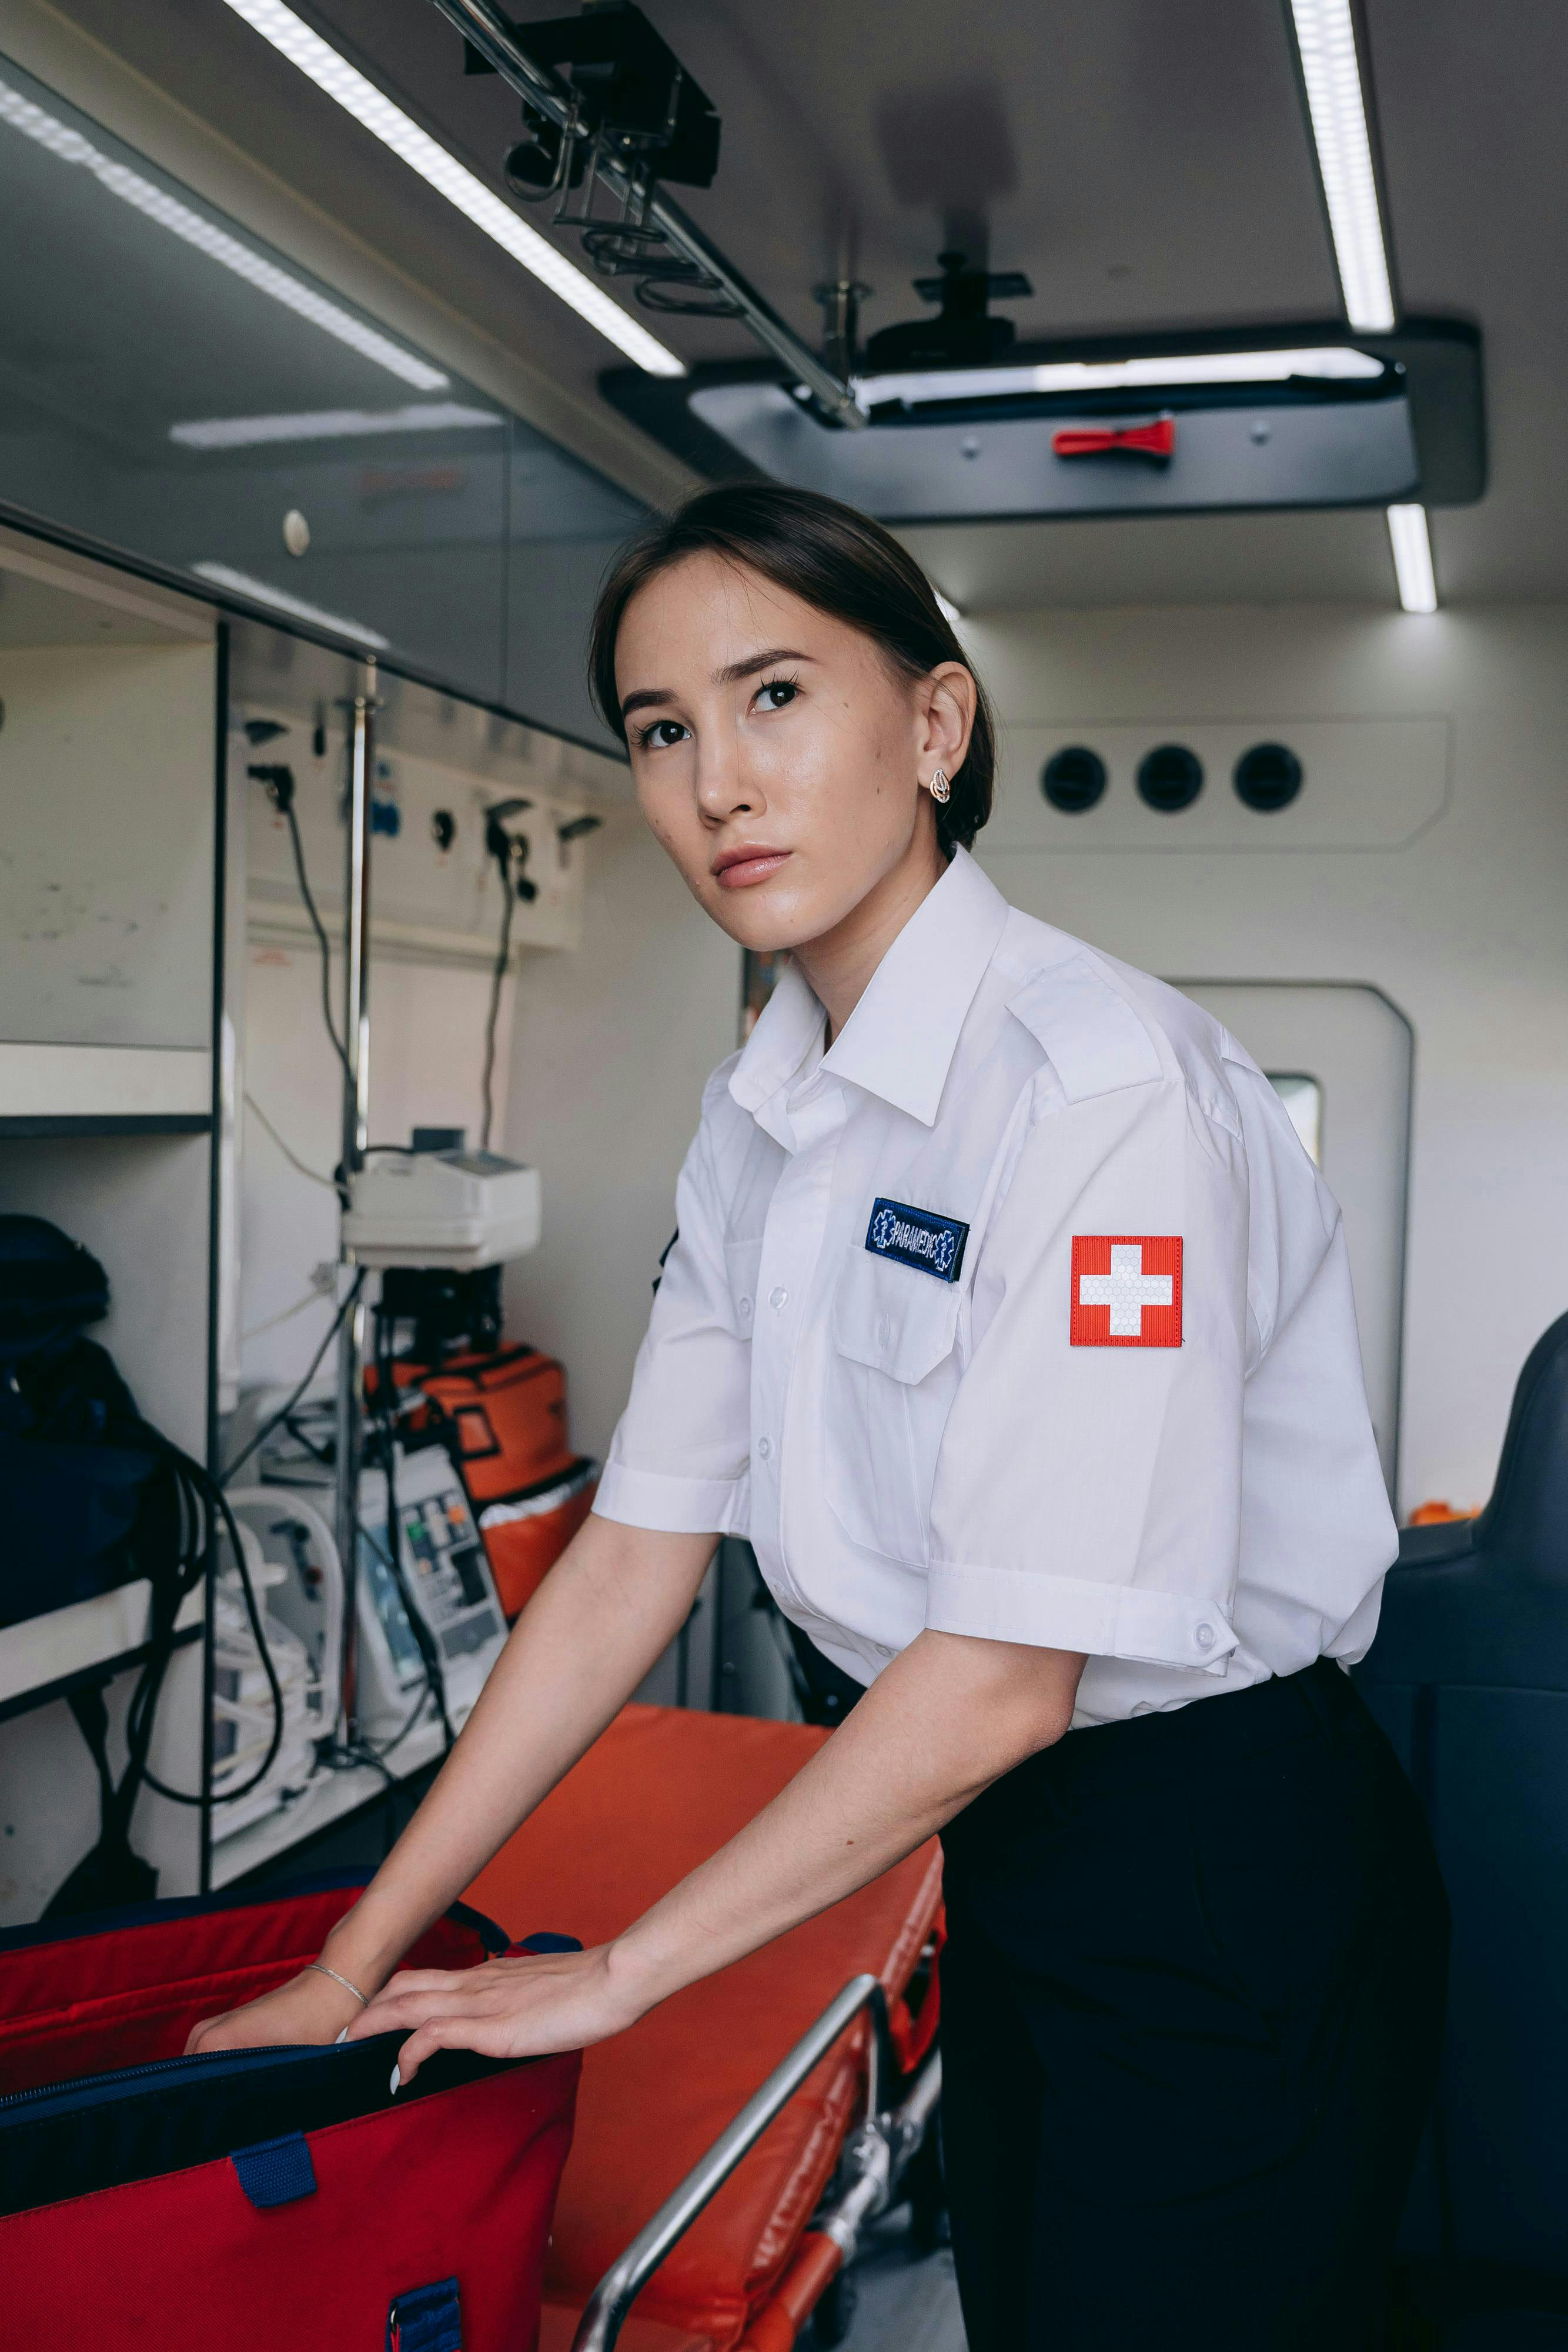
[[344, 2035], [396, 2081]]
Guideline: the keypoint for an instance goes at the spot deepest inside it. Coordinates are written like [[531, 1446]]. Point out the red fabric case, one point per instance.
[[451, 2193]]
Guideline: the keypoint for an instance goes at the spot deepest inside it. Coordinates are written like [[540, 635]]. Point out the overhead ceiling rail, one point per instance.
[[492, 36]]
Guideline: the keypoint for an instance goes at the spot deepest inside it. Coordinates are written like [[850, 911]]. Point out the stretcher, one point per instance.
[[728, 2206], [141, 2192]]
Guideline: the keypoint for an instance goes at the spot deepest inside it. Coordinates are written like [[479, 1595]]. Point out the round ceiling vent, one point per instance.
[[1170, 777], [1072, 779], [1267, 777]]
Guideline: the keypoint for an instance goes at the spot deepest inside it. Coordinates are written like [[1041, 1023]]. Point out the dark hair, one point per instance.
[[829, 556]]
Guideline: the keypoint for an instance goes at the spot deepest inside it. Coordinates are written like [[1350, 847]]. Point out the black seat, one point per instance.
[[1468, 1677]]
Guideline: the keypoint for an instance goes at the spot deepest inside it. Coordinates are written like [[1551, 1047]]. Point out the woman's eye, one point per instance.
[[776, 694], [661, 734]]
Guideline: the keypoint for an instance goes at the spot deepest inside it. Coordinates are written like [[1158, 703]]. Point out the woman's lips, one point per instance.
[[750, 867]]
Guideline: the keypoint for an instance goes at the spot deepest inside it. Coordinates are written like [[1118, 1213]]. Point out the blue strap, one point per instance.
[[425, 2319], [545, 1942], [276, 2172]]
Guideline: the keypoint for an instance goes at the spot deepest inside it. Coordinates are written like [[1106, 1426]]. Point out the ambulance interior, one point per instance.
[[1205, 356]]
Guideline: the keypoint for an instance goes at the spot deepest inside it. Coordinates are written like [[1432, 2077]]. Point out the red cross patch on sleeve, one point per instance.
[[1126, 1290]]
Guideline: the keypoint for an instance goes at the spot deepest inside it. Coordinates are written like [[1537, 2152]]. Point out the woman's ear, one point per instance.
[[948, 696]]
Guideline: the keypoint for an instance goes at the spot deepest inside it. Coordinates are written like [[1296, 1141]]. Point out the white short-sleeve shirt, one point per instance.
[[1021, 1313]]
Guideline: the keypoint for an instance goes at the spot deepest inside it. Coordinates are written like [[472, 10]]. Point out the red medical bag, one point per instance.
[[503, 1417], [277, 2199]]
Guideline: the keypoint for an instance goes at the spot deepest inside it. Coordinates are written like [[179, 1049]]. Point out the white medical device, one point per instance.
[[299, 1604], [446, 1576], [457, 1209]]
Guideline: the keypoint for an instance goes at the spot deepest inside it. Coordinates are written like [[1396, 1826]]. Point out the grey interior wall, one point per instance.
[[1462, 926], [611, 1047]]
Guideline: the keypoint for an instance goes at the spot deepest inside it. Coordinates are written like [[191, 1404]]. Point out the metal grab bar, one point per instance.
[[880, 2148], [484, 26]]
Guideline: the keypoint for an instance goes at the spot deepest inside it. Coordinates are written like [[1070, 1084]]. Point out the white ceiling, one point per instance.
[[1144, 162]]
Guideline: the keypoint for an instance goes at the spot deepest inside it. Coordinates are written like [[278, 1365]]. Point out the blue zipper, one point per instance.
[[97, 2090]]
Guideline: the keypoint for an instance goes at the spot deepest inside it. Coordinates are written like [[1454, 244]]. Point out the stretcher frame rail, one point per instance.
[[874, 2157]]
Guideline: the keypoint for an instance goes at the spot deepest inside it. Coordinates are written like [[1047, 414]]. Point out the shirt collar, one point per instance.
[[900, 1040], [787, 1038]]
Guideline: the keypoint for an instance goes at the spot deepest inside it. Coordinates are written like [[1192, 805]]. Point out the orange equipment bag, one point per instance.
[[503, 1416]]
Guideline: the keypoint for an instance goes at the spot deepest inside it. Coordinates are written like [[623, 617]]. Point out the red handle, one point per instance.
[[1156, 440]]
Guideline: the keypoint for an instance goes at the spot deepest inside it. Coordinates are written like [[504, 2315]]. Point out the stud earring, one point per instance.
[[941, 790]]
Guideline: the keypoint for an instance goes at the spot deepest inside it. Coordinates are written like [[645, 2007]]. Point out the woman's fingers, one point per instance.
[[396, 2013], [425, 1980], [388, 2010], [514, 2008], [492, 2037]]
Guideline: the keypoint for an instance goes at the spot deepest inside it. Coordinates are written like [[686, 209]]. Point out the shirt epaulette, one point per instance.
[[1095, 1041]]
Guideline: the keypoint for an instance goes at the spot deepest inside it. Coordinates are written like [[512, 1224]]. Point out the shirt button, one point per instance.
[[763, 1448], [1144, 1706], [780, 1297], [1205, 1637], [746, 1311]]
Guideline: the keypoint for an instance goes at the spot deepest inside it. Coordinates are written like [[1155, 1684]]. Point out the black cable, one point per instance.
[[279, 783], [499, 974], [424, 1641], [321, 940], [265, 1431], [198, 1499]]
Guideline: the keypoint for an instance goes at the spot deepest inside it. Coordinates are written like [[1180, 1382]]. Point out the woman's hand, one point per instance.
[[518, 2008], [309, 2008]]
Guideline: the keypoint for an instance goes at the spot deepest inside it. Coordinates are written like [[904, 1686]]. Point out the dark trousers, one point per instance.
[[1191, 2010]]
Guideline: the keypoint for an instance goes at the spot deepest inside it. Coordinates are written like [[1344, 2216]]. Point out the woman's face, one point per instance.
[[777, 755]]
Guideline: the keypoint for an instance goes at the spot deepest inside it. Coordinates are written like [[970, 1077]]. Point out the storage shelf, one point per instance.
[[46, 1658], [174, 1122], [327, 1797], [49, 1089]]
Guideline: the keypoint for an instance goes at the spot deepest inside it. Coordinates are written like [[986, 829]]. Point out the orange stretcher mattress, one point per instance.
[[662, 1789]]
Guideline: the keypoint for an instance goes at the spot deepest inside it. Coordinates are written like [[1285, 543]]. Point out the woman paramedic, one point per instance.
[[1010, 1321]]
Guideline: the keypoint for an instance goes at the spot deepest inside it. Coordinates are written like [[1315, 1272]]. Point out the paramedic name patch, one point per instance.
[[1126, 1290], [918, 1237]]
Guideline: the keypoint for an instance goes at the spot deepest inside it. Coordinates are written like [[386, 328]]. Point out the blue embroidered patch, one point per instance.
[[918, 1237]]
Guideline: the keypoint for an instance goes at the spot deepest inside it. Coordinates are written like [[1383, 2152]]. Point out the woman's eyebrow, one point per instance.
[[754, 662], [645, 695]]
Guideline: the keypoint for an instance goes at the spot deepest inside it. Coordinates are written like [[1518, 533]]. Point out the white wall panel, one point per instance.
[[1465, 927], [106, 886], [613, 1045]]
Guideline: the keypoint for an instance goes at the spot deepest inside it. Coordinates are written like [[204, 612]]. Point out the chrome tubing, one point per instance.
[[618, 2289], [488, 30], [351, 1402], [877, 2156]]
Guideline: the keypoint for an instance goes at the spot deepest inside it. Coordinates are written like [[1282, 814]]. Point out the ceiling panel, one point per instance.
[[1144, 162], [1275, 559]]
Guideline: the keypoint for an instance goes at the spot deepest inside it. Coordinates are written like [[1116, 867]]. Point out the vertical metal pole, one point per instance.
[[222, 1108], [355, 1136]]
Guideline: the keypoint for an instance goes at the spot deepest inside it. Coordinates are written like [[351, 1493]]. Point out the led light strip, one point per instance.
[[349, 88], [158, 205], [1333, 362], [222, 575], [1412, 546], [1325, 42], [331, 425]]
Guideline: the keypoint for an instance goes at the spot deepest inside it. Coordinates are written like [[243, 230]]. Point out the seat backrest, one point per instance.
[[1468, 1675]]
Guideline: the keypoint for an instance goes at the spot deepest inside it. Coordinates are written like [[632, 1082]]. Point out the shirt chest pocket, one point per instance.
[[891, 1376]]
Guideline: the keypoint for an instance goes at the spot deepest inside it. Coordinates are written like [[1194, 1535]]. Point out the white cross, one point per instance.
[[1126, 1290]]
